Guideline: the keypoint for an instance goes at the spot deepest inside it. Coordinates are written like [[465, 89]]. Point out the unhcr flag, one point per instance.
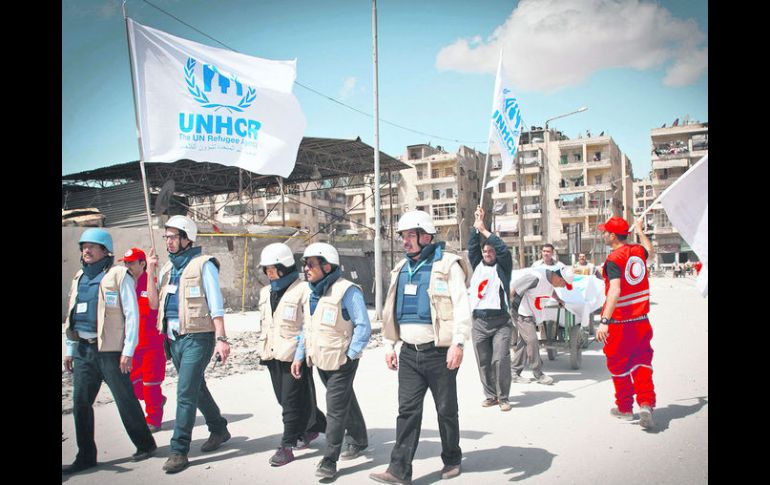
[[505, 127], [213, 105]]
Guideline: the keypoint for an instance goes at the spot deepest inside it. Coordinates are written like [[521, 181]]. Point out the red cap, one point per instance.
[[133, 254], [616, 225]]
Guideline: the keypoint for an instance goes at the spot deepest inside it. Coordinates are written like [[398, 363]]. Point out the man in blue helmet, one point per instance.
[[192, 314], [102, 332]]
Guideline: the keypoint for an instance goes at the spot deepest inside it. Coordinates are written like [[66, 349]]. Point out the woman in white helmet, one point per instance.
[[281, 314], [335, 334]]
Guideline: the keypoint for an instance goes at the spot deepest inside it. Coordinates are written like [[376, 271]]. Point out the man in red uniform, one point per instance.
[[149, 363], [625, 328]]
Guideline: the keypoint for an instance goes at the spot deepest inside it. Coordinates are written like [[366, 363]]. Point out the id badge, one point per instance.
[[329, 317], [290, 313], [111, 298], [194, 291], [410, 289], [171, 289], [81, 308], [441, 287]]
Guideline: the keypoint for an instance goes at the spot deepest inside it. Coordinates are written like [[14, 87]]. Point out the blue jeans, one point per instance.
[[191, 353], [91, 367]]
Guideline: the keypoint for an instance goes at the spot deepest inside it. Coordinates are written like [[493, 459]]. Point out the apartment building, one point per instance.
[[568, 187], [644, 195], [359, 204], [316, 208], [674, 150]]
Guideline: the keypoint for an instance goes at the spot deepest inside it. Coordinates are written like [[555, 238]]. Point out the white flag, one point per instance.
[[505, 127], [686, 203], [214, 105]]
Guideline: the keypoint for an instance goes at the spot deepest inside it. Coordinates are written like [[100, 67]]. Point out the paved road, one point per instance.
[[559, 434]]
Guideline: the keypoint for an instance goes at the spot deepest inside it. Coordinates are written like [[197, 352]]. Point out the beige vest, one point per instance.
[[110, 321], [441, 310], [327, 334], [194, 316], [280, 330]]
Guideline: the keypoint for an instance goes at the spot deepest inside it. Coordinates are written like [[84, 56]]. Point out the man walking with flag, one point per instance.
[[625, 328]]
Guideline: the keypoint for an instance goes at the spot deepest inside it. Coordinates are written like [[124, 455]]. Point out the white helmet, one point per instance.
[[184, 223], [276, 253], [322, 250], [416, 220]]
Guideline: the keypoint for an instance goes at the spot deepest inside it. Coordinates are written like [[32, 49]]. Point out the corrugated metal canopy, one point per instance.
[[317, 158]]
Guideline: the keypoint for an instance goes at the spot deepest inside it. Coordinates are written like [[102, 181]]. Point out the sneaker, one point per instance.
[[621, 415], [544, 379], [519, 379], [488, 402], [305, 440], [77, 466], [505, 405], [153, 428], [352, 451], [645, 417], [450, 471], [176, 463], [387, 477], [215, 441], [282, 457], [326, 469], [143, 455]]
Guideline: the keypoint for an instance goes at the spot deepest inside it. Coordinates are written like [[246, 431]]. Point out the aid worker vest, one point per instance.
[[280, 330], [110, 321], [439, 295], [634, 300], [194, 316], [414, 308], [533, 301], [327, 333]]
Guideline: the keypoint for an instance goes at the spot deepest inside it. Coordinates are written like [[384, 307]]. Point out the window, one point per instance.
[[501, 187], [444, 211], [563, 160], [577, 157], [598, 179], [597, 156], [420, 195], [436, 194], [513, 186], [419, 175], [434, 173], [449, 194]]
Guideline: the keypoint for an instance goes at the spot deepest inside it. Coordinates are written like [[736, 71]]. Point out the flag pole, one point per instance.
[[138, 130], [489, 135]]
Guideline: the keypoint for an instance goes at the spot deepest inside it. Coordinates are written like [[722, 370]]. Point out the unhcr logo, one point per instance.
[[508, 123], [218, 89]]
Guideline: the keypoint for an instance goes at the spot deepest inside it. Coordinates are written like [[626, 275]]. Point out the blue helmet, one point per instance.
[[97, 236]]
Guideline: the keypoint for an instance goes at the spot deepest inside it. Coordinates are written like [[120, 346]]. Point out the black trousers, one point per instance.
[[419, 371], [297, 399], [343, 415]]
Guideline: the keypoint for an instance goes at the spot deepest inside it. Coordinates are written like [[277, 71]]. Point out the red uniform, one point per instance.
[[149, 362], [628, 350]]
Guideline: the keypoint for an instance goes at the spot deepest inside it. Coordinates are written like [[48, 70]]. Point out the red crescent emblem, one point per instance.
[[539, 301], [631, 270], [482, 285]]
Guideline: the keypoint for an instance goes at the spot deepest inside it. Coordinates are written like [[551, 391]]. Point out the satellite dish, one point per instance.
[[163, 199]]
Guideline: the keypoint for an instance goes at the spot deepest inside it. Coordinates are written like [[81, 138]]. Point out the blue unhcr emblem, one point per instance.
[[209, 73]]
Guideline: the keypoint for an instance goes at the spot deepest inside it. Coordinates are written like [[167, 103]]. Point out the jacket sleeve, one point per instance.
[[504, 256], [474, 249], [462, 308]]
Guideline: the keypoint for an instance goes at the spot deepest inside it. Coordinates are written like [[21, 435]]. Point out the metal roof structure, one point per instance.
[[317, 159]]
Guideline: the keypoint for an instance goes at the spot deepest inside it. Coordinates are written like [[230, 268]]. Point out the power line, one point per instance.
[[334, 100]]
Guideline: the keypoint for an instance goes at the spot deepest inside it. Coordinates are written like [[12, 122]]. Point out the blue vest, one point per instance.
[[88, 292], [414, 308], [172, 299]]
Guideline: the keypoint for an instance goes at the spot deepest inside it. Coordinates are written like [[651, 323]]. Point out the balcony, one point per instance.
[[572, 189], [671, 163], [530, 190], [665, 230], [533, 238], [598, 188], [447, 221]]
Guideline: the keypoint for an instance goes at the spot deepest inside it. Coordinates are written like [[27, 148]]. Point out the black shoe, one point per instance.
[[215, 441], [143, 455], [77, 466], [352, 451], [326, 469]]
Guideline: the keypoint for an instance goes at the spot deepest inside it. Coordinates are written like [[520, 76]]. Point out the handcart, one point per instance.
[[560, 332]]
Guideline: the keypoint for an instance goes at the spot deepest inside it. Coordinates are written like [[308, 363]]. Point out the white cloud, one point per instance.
[[348, 87], [551, 44]]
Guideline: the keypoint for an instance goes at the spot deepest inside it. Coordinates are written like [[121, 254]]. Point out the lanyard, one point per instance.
[[413, 271]]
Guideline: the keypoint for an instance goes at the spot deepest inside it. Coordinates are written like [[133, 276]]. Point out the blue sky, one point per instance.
[[634, 64]]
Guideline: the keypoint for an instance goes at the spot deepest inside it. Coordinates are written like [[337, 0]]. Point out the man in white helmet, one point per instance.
[[102, 325], [335, 334], [281, 318], [427, 309], [529, 293], [191, 313]]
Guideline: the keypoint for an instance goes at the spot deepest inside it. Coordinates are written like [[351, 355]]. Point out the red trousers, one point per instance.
[[629, 360], [147, 373]]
